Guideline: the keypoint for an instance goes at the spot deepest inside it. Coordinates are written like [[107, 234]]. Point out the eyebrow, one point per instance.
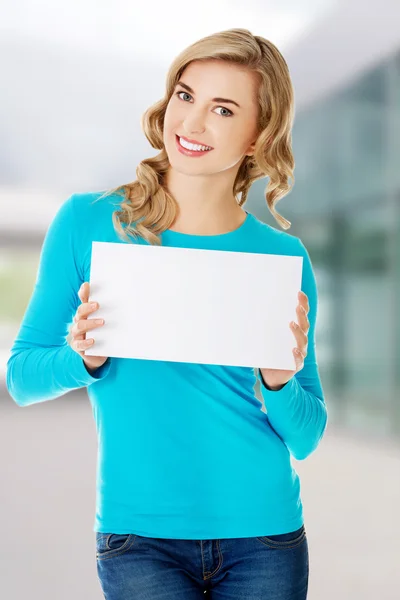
[[226, 100]]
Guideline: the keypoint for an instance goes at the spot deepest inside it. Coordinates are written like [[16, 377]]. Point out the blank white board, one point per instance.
[[194, 305]]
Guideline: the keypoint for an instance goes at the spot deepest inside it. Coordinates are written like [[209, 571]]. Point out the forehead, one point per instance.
[[221, 78]]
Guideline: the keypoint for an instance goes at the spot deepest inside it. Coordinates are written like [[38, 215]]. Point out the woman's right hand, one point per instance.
[[82, 324]]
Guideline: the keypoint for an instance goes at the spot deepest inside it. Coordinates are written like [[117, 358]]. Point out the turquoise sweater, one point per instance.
[[185, 450]]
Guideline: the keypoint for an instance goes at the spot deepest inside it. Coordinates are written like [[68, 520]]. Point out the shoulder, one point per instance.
[[277, 241], [282, 241], [84, 202]]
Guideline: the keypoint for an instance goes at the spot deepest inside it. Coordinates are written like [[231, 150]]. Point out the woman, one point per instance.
[[195, 488]]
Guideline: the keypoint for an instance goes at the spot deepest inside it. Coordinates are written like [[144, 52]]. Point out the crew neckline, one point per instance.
[[236, 231]]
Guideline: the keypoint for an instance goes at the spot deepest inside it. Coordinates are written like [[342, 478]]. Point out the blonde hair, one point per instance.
[[147, 204]]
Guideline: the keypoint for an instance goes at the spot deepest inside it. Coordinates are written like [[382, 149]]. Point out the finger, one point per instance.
[[80, 292], [84, 310], [303, 298], [83, 292], [86, 290], [84, 325], [78, 332], [302, 318], [299, 359], [82, 345], [300, 336]]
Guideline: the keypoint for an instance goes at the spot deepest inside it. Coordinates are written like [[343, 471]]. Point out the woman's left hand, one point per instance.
[[275, 379]]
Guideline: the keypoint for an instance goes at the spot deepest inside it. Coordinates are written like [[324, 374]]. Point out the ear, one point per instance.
[[252, 146], [250, 150]]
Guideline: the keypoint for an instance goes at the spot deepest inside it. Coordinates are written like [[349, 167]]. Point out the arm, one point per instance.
[[297, 410], [42, 365]]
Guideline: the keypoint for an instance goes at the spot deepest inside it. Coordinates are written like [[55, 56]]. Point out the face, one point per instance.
[[230, 130]]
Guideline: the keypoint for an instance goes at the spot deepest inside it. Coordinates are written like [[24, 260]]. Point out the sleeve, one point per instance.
[[297, 412], [42, 365]]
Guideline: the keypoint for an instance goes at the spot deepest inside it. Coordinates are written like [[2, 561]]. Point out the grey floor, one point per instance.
[[350, 491]]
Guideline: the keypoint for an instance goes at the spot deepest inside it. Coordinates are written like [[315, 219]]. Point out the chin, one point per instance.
[[177, 166]]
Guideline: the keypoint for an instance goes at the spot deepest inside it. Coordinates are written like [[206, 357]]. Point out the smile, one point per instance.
[[191, 149]]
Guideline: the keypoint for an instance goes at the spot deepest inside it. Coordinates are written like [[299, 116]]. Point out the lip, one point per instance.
[[194, 141], [190, 153]]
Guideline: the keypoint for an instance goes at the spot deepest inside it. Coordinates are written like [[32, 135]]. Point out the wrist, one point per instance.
[[90, 370], [272, 388]]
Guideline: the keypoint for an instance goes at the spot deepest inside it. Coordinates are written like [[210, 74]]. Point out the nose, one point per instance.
[[194, 124]]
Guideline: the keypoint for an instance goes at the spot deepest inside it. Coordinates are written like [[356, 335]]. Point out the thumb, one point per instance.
[[299, 359], [84, 292]]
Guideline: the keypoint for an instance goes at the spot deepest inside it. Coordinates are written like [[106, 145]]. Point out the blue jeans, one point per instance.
[[133, 567]]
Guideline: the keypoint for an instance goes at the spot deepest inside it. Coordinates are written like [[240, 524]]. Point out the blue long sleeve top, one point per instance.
[[184, 450]]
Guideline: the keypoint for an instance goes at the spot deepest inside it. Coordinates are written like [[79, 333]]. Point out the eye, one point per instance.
[[177, 93], [230, 113]]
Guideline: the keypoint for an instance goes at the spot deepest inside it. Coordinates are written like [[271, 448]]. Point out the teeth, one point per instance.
[[190, 146]]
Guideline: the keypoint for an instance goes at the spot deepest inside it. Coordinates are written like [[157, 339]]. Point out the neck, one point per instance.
[[206, 203]]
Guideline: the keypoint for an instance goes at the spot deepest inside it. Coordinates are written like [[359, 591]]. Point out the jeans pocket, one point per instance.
[[284, 540], [113, 544]]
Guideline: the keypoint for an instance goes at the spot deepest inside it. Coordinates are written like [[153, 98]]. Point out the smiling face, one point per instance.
[[199, 110]]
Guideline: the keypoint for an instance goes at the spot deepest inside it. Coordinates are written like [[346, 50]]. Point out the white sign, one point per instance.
[[195, 306]]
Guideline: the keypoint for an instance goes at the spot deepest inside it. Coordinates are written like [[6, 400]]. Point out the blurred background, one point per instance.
[[75, 80]]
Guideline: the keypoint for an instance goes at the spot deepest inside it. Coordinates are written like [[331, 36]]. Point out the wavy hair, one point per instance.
[[147, 207]]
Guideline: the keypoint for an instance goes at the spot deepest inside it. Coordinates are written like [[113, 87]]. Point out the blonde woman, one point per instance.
[[196, 493]]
